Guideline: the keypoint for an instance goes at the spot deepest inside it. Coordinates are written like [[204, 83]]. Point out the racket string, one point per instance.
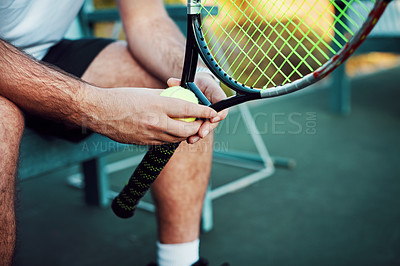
[[256, 66], [252, 59], [242, 52], [264, 43], [245, 34], [285, 43], [250, 37], [316, 45], [272, 45], [293, 51]]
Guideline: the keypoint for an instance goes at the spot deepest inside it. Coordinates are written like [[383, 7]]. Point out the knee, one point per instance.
[[11, 120]]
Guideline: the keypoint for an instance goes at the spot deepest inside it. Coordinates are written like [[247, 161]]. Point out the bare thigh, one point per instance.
[[115, 66]]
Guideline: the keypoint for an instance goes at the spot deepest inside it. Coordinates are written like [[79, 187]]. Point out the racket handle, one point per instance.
[[124, 205]]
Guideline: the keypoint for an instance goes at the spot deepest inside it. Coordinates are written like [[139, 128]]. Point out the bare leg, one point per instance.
[[11, 129], [179, 192], [180, 189], [115, 67]]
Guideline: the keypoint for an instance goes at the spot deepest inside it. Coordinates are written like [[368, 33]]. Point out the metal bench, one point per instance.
[[41, 154]]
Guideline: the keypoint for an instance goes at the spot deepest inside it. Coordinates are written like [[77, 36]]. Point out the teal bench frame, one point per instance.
[[340, 98], [42, 154]]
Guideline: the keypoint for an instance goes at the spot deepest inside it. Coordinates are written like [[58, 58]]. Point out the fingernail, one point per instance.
[[195, 139], [205, 133], [215, 119]]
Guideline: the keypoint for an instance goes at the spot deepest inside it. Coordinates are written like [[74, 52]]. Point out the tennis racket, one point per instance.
[[259, 49]]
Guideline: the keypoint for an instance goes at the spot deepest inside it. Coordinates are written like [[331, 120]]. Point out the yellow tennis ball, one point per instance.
[[183, 94]]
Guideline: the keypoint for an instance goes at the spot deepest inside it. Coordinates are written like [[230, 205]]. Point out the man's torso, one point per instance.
[[36, 25]]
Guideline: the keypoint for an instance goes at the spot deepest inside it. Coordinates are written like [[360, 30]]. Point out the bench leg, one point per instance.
[[340, 92], [207, 213], [96, 182]]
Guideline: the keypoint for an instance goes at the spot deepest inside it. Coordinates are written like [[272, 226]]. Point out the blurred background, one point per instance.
[[339, 205]]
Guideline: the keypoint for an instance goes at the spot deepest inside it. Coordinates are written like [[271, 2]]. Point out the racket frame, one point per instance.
[[124, 205], [196, 45]]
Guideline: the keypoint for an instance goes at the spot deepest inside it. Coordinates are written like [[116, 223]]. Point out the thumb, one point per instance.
[[173, 82], [178, 108]]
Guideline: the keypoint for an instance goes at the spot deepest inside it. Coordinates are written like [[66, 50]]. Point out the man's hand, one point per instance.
[[141, 116], [214, 93]]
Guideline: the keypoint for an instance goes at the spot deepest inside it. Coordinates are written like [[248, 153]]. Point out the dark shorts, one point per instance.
[[74, 57]]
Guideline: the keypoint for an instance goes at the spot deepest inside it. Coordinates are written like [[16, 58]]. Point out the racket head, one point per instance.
[[276, 47]]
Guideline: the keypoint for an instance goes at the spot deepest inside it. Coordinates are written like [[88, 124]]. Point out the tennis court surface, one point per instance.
[[339, 206]]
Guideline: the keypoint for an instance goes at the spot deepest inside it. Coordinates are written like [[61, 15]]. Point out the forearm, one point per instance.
[[40, 89], [160, 47], [153, 38]]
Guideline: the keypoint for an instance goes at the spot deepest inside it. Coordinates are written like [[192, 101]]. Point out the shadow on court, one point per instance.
[[339, 206]]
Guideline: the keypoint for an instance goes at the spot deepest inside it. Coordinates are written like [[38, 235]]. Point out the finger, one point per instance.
[[173, 82], [193, 139], [181, 129], [221, 116], [216, 94], [167, 138], [210, 88], [205, 129], [163, 138], [177, 108]]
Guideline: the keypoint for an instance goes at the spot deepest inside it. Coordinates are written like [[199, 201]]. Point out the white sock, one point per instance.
[[182, 254]]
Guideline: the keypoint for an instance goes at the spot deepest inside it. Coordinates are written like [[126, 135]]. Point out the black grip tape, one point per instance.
[[124, 205]]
